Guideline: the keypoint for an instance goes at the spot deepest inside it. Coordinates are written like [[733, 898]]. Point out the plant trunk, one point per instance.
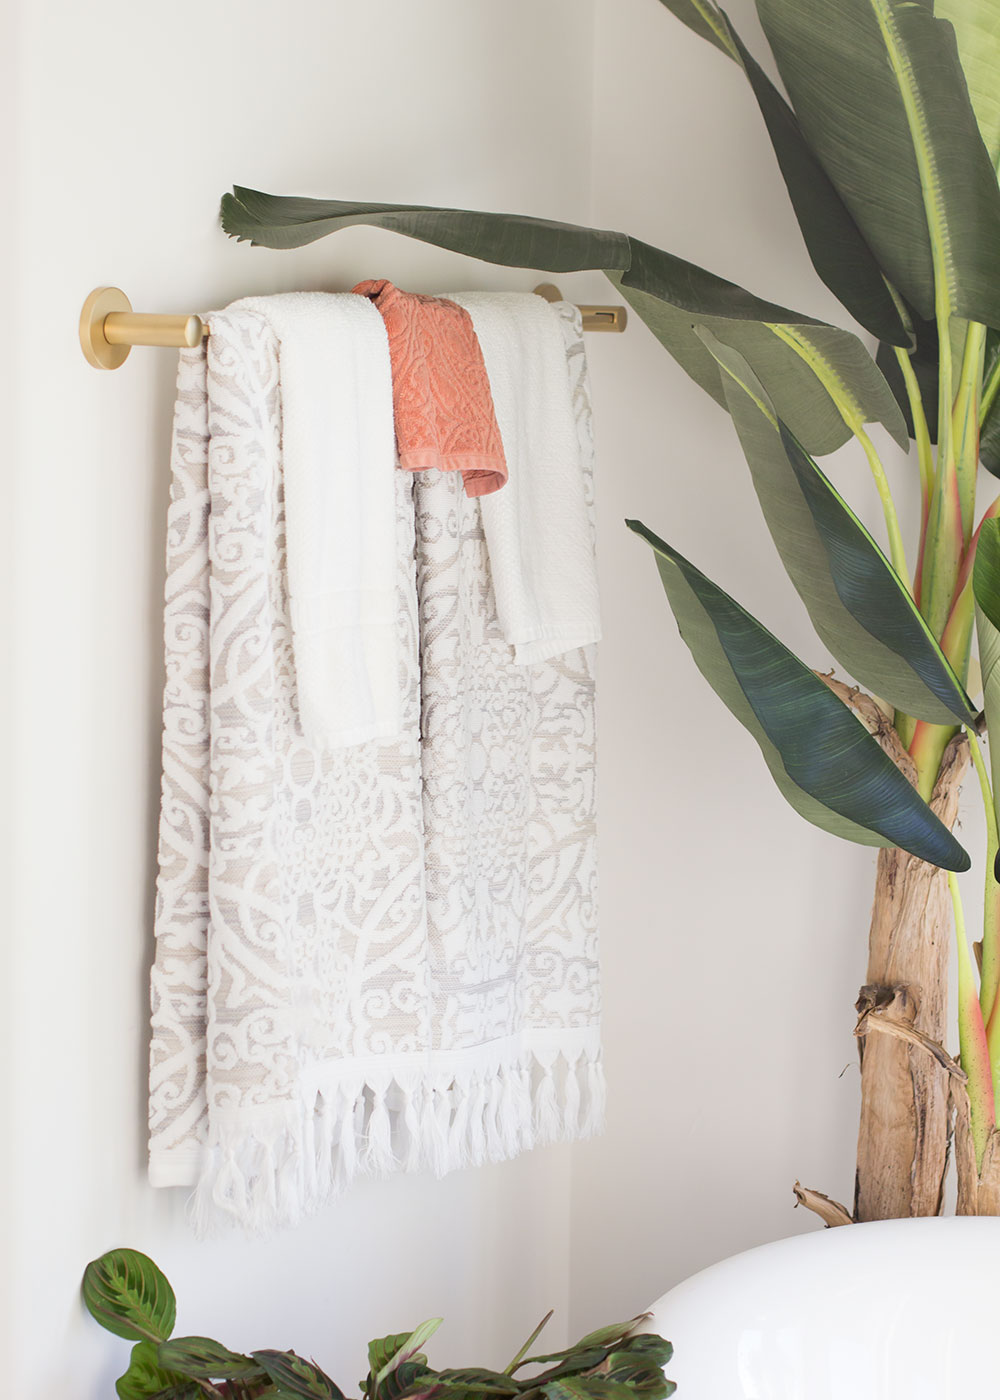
[[978, 1191], [903, 1139]]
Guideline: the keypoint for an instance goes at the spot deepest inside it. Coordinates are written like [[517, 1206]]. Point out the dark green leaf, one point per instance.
[[205, 1359], [147, 1377], [706, 20], [835, 244], [669, 293], [512, 240], [598, 1388], [648, 1348], [855, 598], [294, 1375], [880, 94], [126, 1293], [823, 760]]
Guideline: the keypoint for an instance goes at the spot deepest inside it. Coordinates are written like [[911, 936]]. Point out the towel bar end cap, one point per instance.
[[99, 351]]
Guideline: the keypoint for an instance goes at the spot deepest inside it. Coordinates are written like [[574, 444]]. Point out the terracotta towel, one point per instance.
[[440, 392]]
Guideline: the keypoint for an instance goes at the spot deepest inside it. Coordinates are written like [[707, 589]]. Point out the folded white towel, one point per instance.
[[538, 529], [338, 447]]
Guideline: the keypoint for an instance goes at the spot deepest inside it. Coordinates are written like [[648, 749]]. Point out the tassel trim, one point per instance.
[[270, 1167]]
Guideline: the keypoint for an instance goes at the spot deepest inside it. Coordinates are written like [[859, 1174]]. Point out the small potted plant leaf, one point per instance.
[[128, 1295]]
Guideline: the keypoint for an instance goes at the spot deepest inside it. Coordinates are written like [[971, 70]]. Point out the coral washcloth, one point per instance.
[[441, 395], [337, 461], [539, 531]]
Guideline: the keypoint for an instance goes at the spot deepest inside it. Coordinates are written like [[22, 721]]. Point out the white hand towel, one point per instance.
[[538, 529], [338, 448]]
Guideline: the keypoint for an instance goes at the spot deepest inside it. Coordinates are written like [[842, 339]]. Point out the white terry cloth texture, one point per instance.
[[538, 528], [369, 959], [338, 459]]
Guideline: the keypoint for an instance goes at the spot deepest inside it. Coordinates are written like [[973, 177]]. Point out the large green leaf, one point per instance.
[[666, 291], [835, 244], [824, 761], [855, 598], [879, 91], [986, 587], [977, 29], [126, 1293]]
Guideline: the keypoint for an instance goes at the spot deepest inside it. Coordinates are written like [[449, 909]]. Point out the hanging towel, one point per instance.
[[337, 466], [539, 529], [441, 395], [375, 958]]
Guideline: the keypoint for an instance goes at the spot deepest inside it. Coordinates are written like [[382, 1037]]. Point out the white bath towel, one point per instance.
[[538, 528], [368, 959], [338, 450]]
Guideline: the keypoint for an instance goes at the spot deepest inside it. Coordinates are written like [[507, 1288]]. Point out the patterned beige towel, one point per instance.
[[379, 958]]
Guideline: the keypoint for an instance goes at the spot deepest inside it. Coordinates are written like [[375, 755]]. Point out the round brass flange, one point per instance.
[[96, 346]]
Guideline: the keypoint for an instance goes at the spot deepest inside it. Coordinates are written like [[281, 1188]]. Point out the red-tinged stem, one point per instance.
[[972, 1036]]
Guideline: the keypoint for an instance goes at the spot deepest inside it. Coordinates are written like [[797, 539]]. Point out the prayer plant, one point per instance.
[[128, 1295], [887, 135]]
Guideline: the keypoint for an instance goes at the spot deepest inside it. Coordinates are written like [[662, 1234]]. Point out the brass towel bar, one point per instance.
[[109, 327]]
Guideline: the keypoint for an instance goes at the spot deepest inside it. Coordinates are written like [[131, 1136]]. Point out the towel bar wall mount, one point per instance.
[[109, 327]]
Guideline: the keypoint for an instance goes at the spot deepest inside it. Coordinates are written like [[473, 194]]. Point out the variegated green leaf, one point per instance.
[[126, 1293]]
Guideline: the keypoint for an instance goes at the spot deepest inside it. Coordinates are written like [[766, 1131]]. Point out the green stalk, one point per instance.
[[965, 421], [897, 551], [989, 980], [972, 1036], [922, 435]]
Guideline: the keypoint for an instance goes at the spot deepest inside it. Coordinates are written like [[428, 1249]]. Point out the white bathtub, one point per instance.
[[900, 1310]]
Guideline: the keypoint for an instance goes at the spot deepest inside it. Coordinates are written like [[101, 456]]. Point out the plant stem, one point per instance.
[[523, 1351], [927, 749], [972, 1035], [897, 551], [989, 979], [921, 432], [966, 422]]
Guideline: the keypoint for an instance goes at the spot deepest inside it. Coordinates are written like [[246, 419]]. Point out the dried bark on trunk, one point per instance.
[[978, 1192], [903, 1138]]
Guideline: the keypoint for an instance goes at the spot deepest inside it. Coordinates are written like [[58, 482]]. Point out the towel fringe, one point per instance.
[[296, 1158]]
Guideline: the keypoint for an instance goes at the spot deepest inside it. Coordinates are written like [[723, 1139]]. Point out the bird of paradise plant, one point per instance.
[[888, 140]]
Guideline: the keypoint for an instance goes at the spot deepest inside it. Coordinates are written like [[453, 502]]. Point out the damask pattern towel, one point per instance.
[[374, 959]]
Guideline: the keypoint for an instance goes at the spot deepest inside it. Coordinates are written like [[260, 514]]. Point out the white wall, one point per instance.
[[134, 119]]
